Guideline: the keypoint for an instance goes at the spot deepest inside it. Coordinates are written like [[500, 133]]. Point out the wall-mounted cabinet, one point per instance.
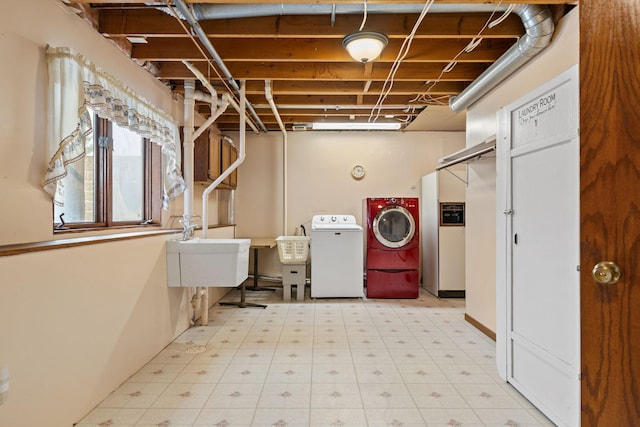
[[213, 154]]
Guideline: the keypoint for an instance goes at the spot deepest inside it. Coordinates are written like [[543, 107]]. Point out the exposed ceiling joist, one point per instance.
[[303, 57]]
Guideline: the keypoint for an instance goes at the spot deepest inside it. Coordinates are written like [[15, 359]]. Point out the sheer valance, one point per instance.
[[75, 84]]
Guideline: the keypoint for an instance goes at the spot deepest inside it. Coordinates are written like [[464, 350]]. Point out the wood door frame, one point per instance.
[[610, 210]]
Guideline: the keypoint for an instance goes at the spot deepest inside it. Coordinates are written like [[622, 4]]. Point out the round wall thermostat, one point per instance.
[[357, 171]]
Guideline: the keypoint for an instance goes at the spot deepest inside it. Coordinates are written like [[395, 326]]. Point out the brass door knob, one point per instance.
[[606, 273]]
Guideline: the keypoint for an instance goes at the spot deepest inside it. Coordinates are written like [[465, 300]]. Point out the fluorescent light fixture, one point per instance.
[[365, 46], [355, 126], [137, 39]]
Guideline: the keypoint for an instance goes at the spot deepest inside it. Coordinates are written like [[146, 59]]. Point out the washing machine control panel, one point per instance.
[[334, 219]]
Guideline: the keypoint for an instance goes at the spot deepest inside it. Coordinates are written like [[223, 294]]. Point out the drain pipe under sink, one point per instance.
[[217, 108], [202, 294], [189, 108]]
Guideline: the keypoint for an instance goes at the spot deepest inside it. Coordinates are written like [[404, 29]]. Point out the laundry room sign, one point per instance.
[[545, 117]]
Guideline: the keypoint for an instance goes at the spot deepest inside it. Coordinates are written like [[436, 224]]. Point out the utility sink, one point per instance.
[[207, 262]]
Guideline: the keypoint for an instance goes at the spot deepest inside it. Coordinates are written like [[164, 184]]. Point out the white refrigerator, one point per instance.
[[442, 220]]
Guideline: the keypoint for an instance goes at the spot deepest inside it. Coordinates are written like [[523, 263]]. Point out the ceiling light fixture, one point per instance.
[[365, 46], [355, 126]]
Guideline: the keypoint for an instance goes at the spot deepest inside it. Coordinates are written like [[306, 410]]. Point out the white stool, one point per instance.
[[293, 275]]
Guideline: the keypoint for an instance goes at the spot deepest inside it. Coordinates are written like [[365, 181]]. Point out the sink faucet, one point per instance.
[[187, 228]]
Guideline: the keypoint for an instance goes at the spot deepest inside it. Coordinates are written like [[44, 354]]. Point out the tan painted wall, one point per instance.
[[481, 194], [319, 177], [76, 322]]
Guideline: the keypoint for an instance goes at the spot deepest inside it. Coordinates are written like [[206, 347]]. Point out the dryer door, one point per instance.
[[394, 226]]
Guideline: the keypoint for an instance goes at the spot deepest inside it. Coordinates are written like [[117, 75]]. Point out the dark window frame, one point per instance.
[[152, 184]]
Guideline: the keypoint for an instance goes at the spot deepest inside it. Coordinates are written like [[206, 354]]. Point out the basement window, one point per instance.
[[112, 154], [114, 185]]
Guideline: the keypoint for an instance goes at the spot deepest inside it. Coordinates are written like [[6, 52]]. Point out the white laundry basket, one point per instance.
[[293, 249]]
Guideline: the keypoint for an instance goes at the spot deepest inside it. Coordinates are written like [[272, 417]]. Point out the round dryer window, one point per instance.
[[394, 226]]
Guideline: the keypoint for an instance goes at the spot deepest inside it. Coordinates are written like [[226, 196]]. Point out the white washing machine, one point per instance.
[[336, 257]]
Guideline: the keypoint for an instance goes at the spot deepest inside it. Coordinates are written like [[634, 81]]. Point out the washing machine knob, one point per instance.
[[393, 200], [333, 219]]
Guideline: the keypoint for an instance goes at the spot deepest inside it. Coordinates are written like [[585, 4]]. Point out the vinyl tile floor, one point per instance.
[[323, 362]]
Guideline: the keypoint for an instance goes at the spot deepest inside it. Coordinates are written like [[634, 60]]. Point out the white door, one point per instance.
[[538, 217]]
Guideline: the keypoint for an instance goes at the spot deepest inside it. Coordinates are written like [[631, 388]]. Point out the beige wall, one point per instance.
[[319, 176], [75, 322], [481, 194], [26, 29]]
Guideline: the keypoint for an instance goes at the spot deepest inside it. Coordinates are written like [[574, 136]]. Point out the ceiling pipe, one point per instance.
[[187, 156], [236, 107], [202, 36], [537, 21], [285, 167], [210, 88], [207, 11], [233, 166], [539, 27], [220, 108]]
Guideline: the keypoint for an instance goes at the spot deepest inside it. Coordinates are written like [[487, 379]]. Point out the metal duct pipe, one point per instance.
[[539, 27], [202, 36], [209, 11]]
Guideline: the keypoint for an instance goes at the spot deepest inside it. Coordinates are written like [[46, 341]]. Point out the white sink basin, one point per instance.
[[207, 262]]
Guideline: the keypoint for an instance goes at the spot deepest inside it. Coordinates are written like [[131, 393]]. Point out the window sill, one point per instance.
[[105, 229], [22, 248]]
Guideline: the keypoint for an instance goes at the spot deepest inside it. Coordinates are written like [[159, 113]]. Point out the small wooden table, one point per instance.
[[256, 243]]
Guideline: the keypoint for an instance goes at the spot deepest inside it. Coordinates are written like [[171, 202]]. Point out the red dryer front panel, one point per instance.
[[396, 284], [392, 233], [392, 247]]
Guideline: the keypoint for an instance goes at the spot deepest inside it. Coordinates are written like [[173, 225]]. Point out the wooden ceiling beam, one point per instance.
[[329, 112], [335, 1], [327, 71], [312, 50], [313, 77], [323, 87], [155, 23], [268, 117], [369, 99]]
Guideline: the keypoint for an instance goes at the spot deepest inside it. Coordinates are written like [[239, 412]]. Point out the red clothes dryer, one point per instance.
[[392, 243]]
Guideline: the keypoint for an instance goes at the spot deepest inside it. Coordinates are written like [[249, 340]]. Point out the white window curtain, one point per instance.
[[74, 84]]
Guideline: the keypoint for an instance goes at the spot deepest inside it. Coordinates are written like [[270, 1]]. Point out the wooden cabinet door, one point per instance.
[[201, 158], [214, 157], [229, 154]]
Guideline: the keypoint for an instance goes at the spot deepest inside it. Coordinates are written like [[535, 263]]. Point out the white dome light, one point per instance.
[[365, 46]]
